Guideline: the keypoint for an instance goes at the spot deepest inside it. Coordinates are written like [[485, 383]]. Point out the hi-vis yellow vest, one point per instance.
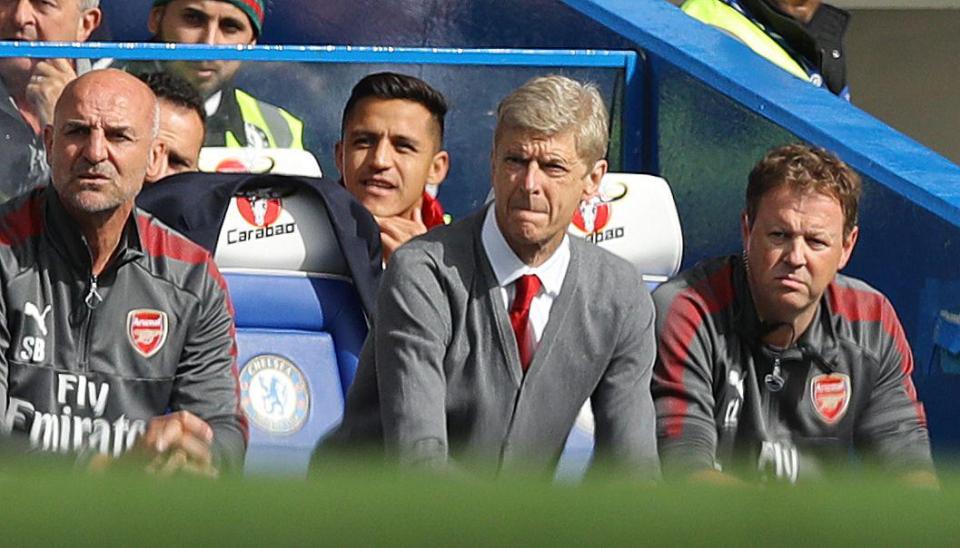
[[280, 128], [724, 17]]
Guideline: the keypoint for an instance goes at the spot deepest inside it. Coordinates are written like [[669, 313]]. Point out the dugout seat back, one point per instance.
[[635, 217], [278, 161], [300, 323]]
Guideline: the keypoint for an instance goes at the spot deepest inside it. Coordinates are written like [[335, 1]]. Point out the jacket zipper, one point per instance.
[[92, 300]]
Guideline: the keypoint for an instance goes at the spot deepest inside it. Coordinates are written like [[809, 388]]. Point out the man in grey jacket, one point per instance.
[[494, 331]]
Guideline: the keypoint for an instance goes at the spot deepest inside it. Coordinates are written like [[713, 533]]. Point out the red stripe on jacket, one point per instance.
[[160, 242], [24, 222], [684, 318], [857, 305]]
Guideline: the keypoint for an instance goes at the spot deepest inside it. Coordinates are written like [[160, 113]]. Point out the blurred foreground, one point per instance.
[[52, 504]]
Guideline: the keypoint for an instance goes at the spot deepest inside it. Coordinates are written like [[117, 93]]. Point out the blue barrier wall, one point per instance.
[[709, 109]]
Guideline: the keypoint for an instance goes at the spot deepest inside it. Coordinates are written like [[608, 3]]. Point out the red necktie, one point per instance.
[[526, 288]]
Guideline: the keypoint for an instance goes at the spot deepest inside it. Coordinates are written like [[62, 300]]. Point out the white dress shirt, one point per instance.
[[507, 267]]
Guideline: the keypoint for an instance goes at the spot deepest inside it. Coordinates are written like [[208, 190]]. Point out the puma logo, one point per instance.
[[31, 310]]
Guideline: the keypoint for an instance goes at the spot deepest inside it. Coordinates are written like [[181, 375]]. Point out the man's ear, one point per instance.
[[157, 161], [338, 157], [848, 244], [89, 21], [593, 179], [48, 143], [154, 20], [438, 168], [745, 230]]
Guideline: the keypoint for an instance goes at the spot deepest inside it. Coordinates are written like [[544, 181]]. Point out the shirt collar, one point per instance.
[[211, 105], [507, 267]]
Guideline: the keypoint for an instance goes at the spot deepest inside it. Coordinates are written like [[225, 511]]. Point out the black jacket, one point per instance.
[[195, 204]]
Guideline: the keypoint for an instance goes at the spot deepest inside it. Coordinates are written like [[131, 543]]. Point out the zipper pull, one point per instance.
[[93, 298], [775, 380]]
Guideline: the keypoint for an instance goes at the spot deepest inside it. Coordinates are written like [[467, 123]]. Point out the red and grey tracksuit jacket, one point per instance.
[[726, 401], [85, 362]]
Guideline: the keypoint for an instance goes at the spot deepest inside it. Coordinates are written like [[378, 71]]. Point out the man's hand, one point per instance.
[[178, 442], [46, 83], [396, 231]]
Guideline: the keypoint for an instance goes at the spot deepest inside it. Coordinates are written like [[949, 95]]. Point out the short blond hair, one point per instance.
[[554, 104]]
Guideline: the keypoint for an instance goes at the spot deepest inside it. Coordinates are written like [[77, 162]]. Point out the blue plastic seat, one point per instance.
[[292, 276]]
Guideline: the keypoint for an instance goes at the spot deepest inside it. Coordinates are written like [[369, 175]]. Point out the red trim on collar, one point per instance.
[[431, 211]]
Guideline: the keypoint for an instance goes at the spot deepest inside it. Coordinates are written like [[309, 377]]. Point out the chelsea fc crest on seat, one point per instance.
[[274, 394]]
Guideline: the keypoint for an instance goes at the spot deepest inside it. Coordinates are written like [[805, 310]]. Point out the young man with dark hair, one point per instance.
[[390, 149], [771, 365], [182, 120]]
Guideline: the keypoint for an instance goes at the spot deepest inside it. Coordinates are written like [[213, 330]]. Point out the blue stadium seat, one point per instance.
[[300, 324], [298, 344], [636, 218], [300, 260]]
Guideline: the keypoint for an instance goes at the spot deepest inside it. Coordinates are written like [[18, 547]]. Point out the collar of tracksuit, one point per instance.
[[65, 236], [814, 345]]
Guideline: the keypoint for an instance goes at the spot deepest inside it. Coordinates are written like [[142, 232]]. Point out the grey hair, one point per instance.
[[89, 4], [554, 104]]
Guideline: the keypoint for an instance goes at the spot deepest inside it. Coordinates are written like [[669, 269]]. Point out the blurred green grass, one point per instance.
[[358, 505]]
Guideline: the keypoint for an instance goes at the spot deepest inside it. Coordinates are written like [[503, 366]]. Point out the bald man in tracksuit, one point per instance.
[[116, 332]]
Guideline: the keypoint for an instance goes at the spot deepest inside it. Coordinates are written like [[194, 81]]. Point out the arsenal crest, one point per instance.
[[147, 330], [830, 395]]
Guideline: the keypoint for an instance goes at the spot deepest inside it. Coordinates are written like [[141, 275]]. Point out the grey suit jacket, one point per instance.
[[440, 378]]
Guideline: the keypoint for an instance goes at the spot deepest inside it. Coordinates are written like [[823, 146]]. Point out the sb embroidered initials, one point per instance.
[[32, 348]]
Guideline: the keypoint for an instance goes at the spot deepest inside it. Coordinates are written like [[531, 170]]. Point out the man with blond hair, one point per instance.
[[494, 331]]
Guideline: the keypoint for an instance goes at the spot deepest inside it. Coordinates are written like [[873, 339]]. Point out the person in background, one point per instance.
[[235, 118], [803, 37], [29, 88], [182, 124]]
